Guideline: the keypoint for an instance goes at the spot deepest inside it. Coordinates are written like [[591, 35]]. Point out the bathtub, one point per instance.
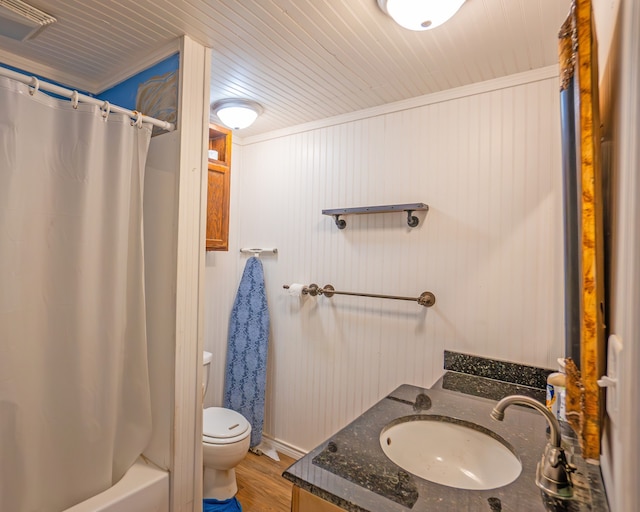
[[143, 488]]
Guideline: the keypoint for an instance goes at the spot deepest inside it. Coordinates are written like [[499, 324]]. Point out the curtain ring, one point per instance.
[[106, 109], [36, 85], [138, 121], [74, 99]]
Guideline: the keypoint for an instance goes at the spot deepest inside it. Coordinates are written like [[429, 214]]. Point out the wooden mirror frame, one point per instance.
[[584, 231]]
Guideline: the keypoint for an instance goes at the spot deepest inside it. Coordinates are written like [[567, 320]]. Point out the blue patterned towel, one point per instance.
[[246, 371]]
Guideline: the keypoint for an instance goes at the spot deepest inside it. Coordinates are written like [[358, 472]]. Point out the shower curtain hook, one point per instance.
[[138, 121], [36, 85], [106, 109], [74, 99]]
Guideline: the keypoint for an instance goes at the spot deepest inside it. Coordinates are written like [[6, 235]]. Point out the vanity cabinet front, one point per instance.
[[304, 501]]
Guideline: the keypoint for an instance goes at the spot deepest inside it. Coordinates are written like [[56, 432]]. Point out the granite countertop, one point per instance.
[[351, 471]]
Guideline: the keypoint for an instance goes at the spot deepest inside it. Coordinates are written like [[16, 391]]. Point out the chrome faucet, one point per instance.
[[553, 474]]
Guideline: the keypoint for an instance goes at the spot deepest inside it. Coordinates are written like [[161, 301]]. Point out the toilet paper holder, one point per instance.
[[426, 299]]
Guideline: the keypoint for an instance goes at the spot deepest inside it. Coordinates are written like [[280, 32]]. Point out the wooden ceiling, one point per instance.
[[303, 60]]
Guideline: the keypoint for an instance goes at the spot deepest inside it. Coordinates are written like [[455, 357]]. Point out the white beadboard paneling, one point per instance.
[[303, 60], [490, 248]]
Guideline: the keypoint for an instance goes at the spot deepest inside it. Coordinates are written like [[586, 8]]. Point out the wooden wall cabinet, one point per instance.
[[218, 189]]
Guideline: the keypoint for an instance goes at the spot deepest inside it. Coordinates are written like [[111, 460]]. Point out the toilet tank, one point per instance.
[[207, 357]]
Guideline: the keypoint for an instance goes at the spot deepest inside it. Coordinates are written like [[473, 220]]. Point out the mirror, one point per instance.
[[584, 231]]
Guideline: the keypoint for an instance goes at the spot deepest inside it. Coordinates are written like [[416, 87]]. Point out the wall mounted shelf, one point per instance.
[[412, 220]]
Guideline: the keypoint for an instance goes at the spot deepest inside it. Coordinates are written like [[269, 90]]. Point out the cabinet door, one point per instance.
[[304, 501], [218, 207]]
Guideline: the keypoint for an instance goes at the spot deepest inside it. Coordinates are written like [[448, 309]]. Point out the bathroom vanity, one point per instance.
[[350, 471]]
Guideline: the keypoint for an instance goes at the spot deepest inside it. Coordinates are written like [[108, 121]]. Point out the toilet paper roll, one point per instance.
[[295, 289]]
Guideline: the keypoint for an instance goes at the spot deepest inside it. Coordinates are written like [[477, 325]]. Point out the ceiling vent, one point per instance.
[[21, 21]]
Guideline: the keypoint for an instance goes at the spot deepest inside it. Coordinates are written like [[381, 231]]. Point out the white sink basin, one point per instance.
[[460, 455]]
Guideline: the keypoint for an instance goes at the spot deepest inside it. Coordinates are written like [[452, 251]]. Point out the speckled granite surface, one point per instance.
[[486, 388], [504, 371], [350, 469]]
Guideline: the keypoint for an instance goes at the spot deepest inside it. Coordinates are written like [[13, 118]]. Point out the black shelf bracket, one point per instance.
[[341, 223]]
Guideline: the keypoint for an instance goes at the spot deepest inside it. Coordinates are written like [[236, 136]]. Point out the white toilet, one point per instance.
[[225, 442]]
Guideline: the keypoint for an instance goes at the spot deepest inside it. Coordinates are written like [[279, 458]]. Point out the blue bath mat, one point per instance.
[[230, 505]]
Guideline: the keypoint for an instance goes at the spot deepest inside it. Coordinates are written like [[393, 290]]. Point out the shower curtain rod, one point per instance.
[[76, 96]]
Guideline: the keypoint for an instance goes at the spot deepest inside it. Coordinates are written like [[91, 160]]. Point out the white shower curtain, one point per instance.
[[74, 389]]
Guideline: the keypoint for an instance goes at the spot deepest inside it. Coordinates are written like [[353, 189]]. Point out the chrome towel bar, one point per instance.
[[426, 299]]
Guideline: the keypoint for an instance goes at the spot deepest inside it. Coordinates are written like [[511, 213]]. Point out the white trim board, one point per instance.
[[285, 448], [153, 58], [186, 477], [535, 75], [29, 66], [627, 491]]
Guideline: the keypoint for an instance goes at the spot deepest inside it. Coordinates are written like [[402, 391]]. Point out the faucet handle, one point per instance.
[[570, 468], [557, 455], [553, 474]]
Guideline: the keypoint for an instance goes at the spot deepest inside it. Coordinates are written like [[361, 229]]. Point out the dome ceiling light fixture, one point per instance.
[[420, 14], [236, 113]]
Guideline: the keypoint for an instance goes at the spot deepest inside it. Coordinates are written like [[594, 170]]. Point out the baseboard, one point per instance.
[[286, 449]]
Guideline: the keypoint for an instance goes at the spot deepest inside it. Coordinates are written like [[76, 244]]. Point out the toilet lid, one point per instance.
[[220, 423]]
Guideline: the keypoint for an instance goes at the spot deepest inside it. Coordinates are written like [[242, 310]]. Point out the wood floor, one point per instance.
[[261, 487]]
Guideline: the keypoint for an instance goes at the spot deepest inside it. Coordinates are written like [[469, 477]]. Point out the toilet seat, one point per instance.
[[223, 426]]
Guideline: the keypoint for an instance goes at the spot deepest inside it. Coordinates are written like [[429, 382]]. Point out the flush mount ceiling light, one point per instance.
[[420, 14], [236, 113], [21, 21]]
